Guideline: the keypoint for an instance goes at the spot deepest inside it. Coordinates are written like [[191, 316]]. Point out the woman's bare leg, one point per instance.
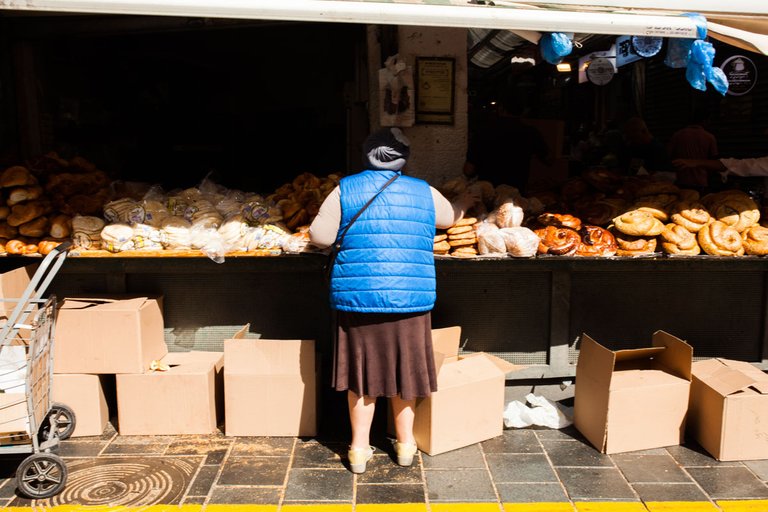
[[404, 411], [361, 409]]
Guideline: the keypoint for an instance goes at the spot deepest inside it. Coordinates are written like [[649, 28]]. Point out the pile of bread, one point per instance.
[[602, 214]]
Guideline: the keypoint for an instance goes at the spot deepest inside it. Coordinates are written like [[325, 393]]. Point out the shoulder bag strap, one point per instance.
[[361, 210]]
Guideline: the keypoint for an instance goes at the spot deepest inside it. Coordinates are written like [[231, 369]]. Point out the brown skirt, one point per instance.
[[379, 354]]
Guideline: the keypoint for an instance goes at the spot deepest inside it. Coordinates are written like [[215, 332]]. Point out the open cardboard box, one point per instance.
[[468, 406], [12, 286], [633, 399], [270, 387], [728, 412], [182, 400], [108, 335]]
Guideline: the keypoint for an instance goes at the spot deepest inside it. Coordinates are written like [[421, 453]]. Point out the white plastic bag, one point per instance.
[[542, 412]]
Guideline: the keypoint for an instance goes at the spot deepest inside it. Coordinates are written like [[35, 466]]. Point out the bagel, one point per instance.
[[676, 239], [720, 239]]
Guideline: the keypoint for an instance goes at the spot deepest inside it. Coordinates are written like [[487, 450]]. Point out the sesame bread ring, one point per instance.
[[638, 223], [558, 241], [738, 212], [675, 239], [457, 230], [691, 215], [720, 239], [466, 221], [596, 241], [755, 240]]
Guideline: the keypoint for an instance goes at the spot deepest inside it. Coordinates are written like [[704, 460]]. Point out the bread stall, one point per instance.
[[601, 255]]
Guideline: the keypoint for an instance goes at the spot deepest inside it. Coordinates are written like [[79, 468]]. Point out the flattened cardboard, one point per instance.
[[14, 419], [84, 394], [108, 336], [469, 404], [633, 399], [181, 400], [270, 387], [728, 412]]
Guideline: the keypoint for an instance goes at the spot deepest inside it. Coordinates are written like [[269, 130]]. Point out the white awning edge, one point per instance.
[[743, 39], [479, 16]]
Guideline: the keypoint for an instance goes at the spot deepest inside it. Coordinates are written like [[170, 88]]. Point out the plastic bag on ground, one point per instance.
[[541, 412]]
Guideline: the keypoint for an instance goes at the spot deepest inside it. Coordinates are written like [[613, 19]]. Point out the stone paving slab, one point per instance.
[[521, 470]]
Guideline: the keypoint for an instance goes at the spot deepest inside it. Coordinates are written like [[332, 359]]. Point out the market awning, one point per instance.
[[619, 17]]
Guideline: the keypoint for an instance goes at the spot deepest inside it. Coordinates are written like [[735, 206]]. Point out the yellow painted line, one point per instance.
[[610, 507], [393, 507], [326, 507], [681, 506], [118, 508], [238, 508], [462, 507], [743, 505], [538, 507]]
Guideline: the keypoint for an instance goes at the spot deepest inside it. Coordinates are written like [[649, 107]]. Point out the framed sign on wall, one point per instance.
[[435, 84]]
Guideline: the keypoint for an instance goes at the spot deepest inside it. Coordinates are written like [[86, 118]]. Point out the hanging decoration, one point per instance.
[[697, 56], [555, 46]]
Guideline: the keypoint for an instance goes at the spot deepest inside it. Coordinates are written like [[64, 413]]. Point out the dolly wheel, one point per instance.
[[41, 475], [65, 420]]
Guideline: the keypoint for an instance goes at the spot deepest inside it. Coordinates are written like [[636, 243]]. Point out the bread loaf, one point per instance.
[[16, 176], [61, 226]]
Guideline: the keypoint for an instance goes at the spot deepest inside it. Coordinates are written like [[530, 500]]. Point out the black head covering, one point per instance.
[[386, 149]]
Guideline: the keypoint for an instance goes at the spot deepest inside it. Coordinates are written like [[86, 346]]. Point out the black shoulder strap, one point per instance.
[[366, 205]]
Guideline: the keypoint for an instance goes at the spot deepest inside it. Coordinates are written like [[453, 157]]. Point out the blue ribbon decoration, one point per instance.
[[555, 46]]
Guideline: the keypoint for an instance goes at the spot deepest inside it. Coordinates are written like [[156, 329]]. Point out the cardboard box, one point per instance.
[[108, 335], [728, 412], [633, 399], [85, 395], [270, 387], [468, 406], [14, 419], [12, 286], [182, 400]]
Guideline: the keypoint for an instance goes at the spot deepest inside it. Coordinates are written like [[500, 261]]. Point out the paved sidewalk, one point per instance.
[[533, 470]]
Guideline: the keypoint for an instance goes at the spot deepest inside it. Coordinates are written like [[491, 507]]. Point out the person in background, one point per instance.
[[743, 167], [693, 142], [383, 289], [500, 150], [642, 150]]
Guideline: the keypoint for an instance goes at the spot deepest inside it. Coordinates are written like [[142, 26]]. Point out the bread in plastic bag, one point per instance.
[[508, 215], [520, 242], [489, 239]]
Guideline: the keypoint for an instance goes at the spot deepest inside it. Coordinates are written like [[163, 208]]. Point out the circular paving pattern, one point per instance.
[[123, 481]]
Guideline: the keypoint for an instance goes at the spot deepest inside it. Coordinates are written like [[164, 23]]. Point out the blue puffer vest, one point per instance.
[[386, 263]]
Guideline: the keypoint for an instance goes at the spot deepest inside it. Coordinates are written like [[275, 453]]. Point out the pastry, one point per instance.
[[466, 221], [441, 246], [720, 239], [21, 194], [23, 213], [61, 226], [691, 215], [638, 223], [440, 237], [740, 212], [559, 220], [557, 241], [8, 231], [46, 246], [676, 239], [457, 230], [755, 240], [596, 241], [463, 236], [14, 247], [464, 241]]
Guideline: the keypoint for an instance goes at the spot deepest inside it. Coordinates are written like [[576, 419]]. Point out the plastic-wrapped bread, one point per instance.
[[489, 239], [233, 231], [175, 232], [520, 242], [509, 216], [124, 210], [117, 237], [86, 231], [155, 212], [146, 237]]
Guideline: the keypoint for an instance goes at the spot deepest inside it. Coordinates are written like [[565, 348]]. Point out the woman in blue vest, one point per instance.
[[383, 288]]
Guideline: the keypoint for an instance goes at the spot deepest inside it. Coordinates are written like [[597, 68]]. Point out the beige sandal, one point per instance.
[[358, 458], [405, 453]]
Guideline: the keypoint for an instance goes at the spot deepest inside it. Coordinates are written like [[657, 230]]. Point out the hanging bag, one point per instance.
[[328, 267]]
